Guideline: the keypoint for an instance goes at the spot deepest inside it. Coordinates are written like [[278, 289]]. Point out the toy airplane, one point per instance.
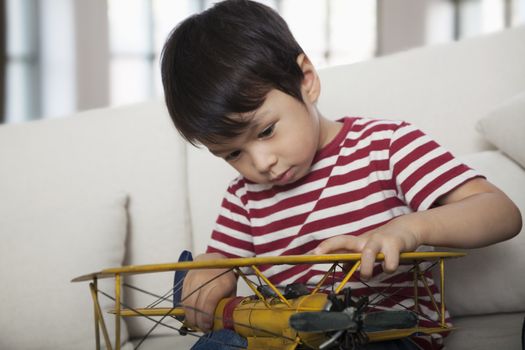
[[299, 317]]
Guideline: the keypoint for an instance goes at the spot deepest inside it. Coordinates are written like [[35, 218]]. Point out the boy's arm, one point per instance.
[[201, 292], [473, 215]]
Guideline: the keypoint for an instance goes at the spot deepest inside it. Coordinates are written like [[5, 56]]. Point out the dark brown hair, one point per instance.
[[223, 62]]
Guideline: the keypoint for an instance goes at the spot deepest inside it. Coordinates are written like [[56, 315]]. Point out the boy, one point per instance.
[[236, 81]]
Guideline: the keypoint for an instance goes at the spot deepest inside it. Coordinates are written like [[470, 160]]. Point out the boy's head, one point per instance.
[[222, 63]]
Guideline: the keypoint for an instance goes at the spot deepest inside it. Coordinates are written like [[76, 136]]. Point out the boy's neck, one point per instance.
[[328, 130]]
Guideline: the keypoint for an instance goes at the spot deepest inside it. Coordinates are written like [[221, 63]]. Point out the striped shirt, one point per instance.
[[370, 173]]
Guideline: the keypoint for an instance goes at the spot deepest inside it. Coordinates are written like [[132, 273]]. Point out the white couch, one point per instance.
[[119, 186]]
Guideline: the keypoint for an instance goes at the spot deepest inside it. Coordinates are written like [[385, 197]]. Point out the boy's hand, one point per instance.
[[390, 239], [201, 292]]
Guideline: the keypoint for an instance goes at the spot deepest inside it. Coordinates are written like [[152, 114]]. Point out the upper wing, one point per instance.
[[257, 261]]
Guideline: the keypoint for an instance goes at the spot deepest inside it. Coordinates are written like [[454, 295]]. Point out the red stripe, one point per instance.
[[234, 225], [234, 208], [350, 142], [227, 314], [231, 241], [352, 216], [286, 203], [360, 174], [271, 192], [437, 183], [426, 168], [417, 153], [399, 143]]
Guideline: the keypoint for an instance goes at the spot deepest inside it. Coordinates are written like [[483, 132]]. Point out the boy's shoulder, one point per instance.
[[364, 129], [363, 122]]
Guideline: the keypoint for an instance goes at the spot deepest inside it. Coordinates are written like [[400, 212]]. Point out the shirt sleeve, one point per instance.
[[424, 171], [232, 236]]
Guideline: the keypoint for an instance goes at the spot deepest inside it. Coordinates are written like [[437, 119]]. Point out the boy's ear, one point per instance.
[[311, 85]]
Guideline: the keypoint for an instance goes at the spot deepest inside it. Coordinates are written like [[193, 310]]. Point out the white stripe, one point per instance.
[[351, 206], [284, 214], [258, 187], [241, 219], [277, 235], [356, 225], [234, 199], [437, 297], [318, 184], [242, 236], [363, 143], [429, 177], [324, 162], [321, 164], [430, 313], [425, 204], [321, 234], [232, 250], [418, 163], [409, 148], [331, 231], [403, 130], [329, 192], [372, 123], [357, 184], [308, 187], [241, 191], [293, 278], [360, 163]]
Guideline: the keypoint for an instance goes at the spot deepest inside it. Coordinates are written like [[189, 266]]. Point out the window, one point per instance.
[[58, 60], [474, 17], [330, 31], [22, 70], [40, 71]]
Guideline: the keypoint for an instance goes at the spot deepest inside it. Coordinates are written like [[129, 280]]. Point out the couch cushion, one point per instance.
[[505, 128], [489, 280], [46, 241], [131, 149], [487, 332], [208, 179]]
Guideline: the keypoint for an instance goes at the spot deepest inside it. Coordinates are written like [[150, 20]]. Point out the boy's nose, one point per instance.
[[263, 162]]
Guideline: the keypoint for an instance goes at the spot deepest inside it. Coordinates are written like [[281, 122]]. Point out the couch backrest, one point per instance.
[[444, 90], [133, 150]]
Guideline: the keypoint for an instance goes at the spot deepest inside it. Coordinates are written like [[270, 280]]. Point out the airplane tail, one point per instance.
[[179, 278]]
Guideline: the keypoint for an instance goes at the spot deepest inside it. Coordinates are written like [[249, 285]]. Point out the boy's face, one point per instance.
[[279, 145]]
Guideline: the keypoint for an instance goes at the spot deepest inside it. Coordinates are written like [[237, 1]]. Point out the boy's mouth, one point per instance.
[[283, 178]]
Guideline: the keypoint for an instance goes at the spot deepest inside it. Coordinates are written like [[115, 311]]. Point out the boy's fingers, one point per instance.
[[194, 296], [205, 308], [335, 244], [368, 258], [188, 303], [391, 261], [210, 295]]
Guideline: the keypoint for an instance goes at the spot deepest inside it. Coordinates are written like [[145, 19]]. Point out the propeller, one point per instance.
[[323, 321], [345, 322], [387, 320], [331, 321]]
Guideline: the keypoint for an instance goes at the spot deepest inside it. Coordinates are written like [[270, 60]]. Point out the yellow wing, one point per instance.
[[278, 307], [257, 261]]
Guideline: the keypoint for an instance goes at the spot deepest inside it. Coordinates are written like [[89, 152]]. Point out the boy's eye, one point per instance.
[[267, 132], [233, 155]]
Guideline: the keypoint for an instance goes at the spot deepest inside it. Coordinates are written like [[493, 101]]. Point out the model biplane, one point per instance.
[[294, 318]]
